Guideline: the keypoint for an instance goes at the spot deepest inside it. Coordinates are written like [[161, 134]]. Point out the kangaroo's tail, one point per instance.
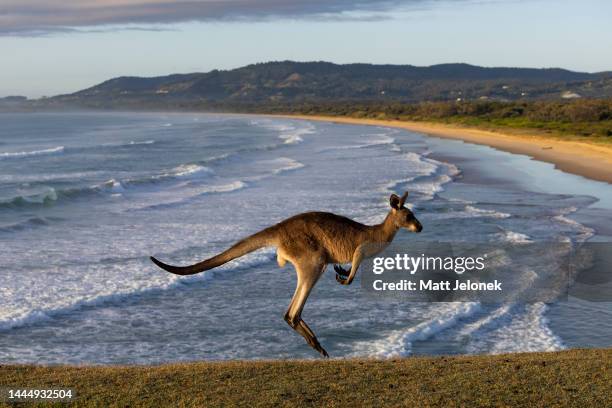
[[261, 239]]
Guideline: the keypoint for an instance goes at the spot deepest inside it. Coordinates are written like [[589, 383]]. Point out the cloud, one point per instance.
[[40, 17]]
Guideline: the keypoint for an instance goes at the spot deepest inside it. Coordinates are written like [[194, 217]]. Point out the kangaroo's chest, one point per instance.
[[373, 248]]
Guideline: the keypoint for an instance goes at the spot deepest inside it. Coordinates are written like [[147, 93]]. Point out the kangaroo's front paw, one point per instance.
[[341, 271], [341, 280], [341, 275]]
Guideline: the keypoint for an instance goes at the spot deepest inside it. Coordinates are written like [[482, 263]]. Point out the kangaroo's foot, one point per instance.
[[341, 275], [301, 327]]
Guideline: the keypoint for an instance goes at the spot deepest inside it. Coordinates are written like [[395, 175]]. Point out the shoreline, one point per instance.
[[583, 159]]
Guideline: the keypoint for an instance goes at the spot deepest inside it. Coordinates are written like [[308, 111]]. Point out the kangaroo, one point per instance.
[[311, 241]]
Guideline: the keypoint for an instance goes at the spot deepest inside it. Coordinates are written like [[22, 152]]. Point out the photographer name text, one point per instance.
[[431, 285]]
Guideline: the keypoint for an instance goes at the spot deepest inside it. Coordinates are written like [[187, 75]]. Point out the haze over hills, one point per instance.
[[296, 82]]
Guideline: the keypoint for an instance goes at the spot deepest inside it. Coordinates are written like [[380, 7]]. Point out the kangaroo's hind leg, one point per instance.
[[308, 274]]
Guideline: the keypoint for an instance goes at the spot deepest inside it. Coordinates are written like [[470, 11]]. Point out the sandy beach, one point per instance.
[[584, 159]]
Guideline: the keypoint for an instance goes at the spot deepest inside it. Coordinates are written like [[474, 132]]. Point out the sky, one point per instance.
[[50, 47]]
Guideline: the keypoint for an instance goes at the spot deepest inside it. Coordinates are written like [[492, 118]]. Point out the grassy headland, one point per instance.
[[577, 378]]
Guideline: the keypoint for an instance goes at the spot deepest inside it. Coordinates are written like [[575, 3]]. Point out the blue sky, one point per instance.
[[53, 46]]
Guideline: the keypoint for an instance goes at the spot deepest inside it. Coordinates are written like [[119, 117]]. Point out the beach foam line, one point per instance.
[[43, 152], [399, 342], [583, 231], [431, 176], [42, 314], [535, 333]]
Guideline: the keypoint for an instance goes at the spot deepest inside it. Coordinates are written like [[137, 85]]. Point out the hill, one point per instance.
[[574, 378], [298, 82]]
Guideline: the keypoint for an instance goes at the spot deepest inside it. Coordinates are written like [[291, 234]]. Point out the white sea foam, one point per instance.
[[130, 143], [470, 211], [535, 335], [183, 171], [514, 237], [224, 188], [288, 133], [420, 168], [584, 232], [373, 141], [187, 170], [115, 186], [144, 142], [29, 310], [399, 342], [43, 152], [479, 212], [428, 188], [282, 164]]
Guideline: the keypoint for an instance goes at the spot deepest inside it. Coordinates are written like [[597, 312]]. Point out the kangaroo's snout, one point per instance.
[[419, 227], [415, 226]]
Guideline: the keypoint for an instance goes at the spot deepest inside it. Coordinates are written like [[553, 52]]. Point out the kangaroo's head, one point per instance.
[[402, 216]]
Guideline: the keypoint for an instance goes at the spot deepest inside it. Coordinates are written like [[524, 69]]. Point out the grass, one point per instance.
[[598, 132], [589, 132], [579, 378]]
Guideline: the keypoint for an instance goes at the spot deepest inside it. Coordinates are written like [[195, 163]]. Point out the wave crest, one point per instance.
[[43, 152]]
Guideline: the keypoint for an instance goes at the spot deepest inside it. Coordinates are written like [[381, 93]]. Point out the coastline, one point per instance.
[[583, 159]]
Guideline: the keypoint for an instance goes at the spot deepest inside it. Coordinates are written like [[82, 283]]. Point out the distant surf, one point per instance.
[[42, 152]]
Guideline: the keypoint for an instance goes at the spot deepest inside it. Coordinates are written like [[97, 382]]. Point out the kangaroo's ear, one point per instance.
[[403, 199], [394, 201]]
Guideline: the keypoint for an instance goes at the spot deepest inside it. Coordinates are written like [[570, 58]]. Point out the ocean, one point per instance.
[[86, 198]]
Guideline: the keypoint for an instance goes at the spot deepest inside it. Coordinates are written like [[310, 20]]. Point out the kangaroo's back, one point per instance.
[[334, 235]]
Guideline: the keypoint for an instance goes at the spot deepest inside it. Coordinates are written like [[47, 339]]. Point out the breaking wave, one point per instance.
[[44, 152]]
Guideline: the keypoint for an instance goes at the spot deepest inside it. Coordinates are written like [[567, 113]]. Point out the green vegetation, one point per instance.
[[289, 82], [579, 378], [581, 119]]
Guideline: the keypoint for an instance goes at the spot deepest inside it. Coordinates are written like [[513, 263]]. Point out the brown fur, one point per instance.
[[311, 241]]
